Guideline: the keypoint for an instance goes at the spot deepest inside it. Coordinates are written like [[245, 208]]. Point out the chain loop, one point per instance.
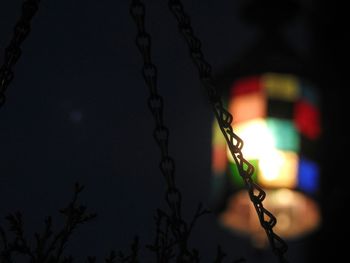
[[13, 51], [224, 118], [155, 104], [150, 76], [178, 226]]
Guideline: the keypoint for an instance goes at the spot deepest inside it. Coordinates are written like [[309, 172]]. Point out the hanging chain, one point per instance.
[[161, 135], [13, 50], [224, 118], [155, 104]]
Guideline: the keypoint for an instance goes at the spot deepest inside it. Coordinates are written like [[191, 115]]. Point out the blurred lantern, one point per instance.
[[275, 108]]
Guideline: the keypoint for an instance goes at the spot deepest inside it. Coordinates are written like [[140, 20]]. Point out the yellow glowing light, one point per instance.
[[257, 139], [281, 86], [218, 137], [270, 165], [282, 197], [278, 169], [271, 144]]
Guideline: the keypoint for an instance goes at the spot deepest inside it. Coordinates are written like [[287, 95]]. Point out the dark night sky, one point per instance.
[[76, 111]]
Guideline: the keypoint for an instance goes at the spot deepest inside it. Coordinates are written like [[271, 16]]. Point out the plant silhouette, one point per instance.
[[48, 246]]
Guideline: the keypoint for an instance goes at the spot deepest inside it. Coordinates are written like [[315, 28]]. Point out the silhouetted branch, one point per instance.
[[200, 212], [170, 244], [163, 245], [122, 258], [49, 248], [220, 255]]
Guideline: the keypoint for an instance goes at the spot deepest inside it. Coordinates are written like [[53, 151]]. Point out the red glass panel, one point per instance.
[[246, 85], [307, 119]]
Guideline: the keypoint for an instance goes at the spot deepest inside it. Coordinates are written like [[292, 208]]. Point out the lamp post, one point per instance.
[[275, 108]]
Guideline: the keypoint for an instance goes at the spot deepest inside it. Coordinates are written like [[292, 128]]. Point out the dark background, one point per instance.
[[77, 111]]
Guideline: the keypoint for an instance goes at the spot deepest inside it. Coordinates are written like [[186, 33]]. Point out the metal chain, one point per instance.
[[155, 104], [161, 133], [13, 50], [224, 118]]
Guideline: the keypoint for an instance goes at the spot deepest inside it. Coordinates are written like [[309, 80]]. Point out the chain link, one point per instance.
[[173, 196], [155, 104], [13, 50], [224, 118]]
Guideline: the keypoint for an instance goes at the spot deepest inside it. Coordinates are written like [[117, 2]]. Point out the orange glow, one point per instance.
[[290, 208], [219, 160], [248, 106], [219, 156]]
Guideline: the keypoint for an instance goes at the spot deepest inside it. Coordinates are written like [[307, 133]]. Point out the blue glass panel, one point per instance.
[[308, 179], [309, 93]]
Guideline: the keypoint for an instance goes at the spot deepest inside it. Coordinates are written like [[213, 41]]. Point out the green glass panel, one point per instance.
[[236, 179]]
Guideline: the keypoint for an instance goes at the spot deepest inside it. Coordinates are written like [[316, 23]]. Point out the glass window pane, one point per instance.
[[281, 86], [278, 169], [284, 133]]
